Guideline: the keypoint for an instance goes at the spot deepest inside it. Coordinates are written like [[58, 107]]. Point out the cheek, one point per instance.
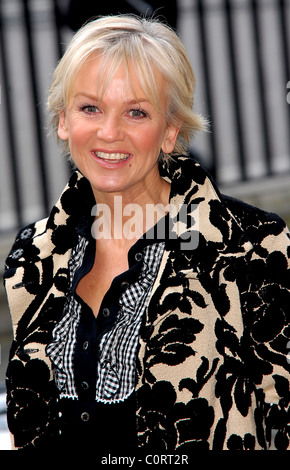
[[150, 141], [79, 135]]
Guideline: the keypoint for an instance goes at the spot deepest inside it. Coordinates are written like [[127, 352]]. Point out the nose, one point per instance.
[[110, 128]]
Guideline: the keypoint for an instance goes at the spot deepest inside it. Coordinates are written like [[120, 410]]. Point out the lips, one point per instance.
[[112, 156]]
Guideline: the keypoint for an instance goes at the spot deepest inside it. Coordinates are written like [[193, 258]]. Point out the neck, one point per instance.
[[126, 216]]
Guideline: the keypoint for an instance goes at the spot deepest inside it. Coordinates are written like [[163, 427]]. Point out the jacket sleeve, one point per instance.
[[33, 301], [276, 319], [266, 306]]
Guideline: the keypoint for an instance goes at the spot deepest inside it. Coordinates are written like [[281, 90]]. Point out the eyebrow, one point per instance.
[[128, 102]]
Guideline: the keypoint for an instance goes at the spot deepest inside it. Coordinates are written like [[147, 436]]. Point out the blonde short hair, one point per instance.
[[148, 44]]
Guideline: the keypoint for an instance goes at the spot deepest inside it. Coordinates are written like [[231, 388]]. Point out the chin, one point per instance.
[[106, 188]]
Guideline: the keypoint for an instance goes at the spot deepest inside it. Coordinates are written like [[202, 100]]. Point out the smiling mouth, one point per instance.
[[113, 156]]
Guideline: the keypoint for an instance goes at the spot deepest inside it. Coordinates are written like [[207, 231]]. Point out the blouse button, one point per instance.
[[138, 256], [85, 417], [85, 345], [84, 385], [106, 312], [124, 285]]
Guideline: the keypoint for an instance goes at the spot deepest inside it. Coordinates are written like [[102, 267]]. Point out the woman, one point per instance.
[[150, 312]]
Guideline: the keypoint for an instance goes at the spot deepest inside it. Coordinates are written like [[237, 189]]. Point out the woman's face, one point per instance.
[[115, 142]]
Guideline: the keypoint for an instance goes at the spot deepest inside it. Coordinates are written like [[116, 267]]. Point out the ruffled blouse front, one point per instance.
[[117, 325]]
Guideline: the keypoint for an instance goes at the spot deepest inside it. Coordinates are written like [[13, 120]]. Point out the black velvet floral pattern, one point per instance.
[[212, 368]]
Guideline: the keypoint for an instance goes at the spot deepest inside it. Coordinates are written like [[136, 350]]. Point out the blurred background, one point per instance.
[[239, 50]]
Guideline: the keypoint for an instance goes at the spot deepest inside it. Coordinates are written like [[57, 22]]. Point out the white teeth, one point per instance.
[[112, 156]]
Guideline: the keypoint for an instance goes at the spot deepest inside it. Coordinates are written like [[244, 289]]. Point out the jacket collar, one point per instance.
[[197, 211], [209, 221]]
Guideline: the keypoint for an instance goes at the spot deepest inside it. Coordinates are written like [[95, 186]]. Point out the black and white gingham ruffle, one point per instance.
[[118, 346]]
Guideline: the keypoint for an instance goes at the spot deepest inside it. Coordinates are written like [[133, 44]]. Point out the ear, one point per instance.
[[170, 139], [62, 131]]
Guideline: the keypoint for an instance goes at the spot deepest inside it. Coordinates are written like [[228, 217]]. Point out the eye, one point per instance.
[[89, 109], [138, 113]]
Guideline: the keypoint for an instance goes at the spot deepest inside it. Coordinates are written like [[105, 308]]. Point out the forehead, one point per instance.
[[97, 73]]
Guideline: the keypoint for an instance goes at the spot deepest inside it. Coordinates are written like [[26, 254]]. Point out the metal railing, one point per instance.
[[231, 67], [254, 9]]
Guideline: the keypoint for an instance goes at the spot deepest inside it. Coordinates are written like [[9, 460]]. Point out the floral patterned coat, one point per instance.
[[213, 368]]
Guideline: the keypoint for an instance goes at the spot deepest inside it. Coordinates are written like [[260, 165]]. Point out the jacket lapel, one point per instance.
[[191, 284]]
